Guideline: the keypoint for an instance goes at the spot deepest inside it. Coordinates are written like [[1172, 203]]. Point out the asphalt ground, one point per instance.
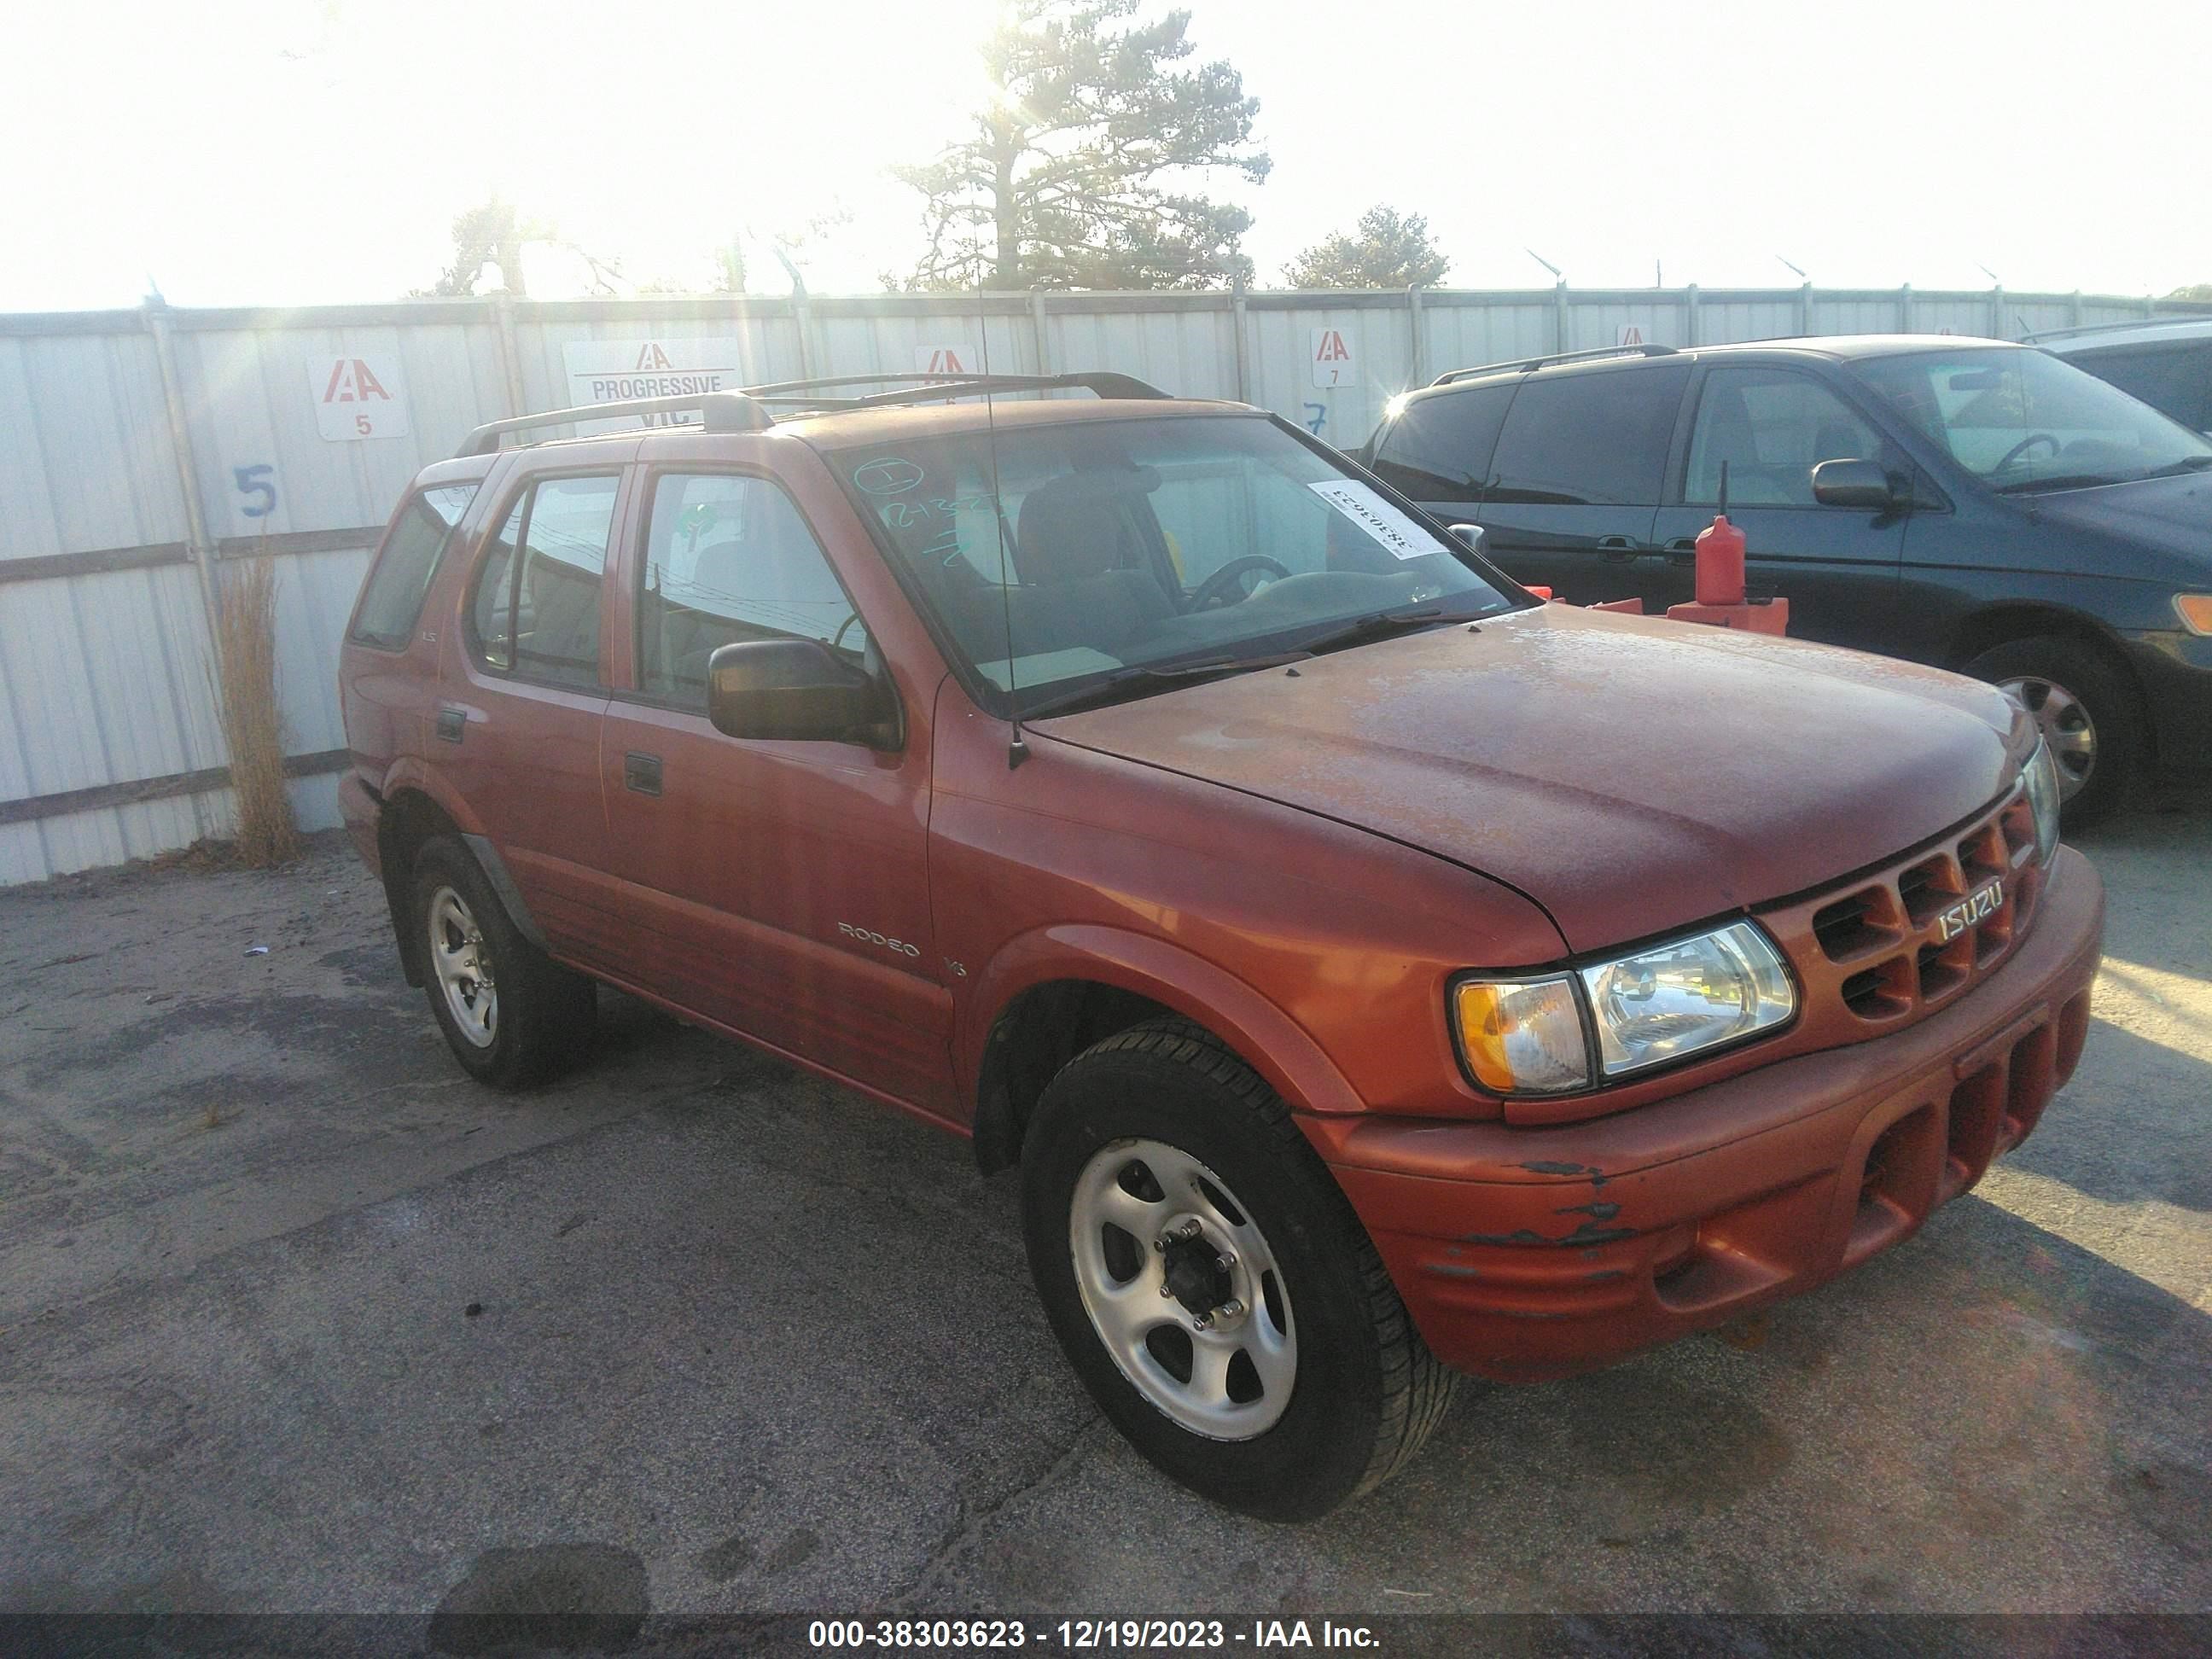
[[295, 1318]]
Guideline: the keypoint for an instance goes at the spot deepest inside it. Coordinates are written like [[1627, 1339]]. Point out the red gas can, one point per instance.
[[1720, 562]]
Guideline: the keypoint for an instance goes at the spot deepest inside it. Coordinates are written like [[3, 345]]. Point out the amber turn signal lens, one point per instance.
[[2195, 610], [1523, 1036]]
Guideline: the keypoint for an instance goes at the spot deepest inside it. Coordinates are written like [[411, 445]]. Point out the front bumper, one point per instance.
[[1525, 1254], [2175, 669]]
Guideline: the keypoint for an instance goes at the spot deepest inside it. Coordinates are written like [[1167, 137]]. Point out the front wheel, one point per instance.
[[2086, 712], [1211, 1284]]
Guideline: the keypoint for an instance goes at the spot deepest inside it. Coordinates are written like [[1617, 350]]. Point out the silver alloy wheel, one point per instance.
[[1146, 1218], [457, 955], [2066, 725]]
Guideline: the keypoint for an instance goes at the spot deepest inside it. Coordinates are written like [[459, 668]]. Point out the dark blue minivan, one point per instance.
[[1970, 503]]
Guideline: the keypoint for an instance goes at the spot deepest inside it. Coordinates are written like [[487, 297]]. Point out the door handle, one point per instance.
[[1618, 549], [452, 725], [1682, 550], [642, 773]]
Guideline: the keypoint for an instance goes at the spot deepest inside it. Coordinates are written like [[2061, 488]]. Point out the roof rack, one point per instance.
[[724, 411], [1524, 364], [2159, 321], [743, 410], [929, 388]]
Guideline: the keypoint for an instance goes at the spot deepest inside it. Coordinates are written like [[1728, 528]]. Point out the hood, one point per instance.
[[2172, 516], [1631, 775]]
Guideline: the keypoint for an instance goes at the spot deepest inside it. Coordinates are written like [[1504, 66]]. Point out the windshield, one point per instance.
[[1184, 543], [2024, 421]]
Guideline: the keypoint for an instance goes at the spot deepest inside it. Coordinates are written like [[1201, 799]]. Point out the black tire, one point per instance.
[[1367, 1391], [2100, 687], [545, 1012]]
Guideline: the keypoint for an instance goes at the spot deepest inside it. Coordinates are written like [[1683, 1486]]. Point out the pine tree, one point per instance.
[[1079, 171], [1389, 250]]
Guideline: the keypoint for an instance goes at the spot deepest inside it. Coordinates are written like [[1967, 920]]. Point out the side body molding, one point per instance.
[[495, 867]]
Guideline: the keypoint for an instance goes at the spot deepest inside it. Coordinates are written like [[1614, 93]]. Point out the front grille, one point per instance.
[[1877, 949], [1851, 926]]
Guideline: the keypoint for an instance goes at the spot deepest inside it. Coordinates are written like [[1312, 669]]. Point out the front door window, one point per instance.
[[1770, 428]]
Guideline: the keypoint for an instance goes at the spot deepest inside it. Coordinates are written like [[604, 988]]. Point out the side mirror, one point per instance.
[[1476, 543], [798, 689], [1853, 484]]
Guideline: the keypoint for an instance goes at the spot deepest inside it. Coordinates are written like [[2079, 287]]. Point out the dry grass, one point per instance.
[[247, 689]]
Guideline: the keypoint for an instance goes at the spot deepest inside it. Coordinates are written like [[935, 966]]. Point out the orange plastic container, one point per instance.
[[1720, 562]]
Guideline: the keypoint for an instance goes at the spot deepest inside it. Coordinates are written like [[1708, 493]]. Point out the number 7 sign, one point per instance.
[[1331, 358]]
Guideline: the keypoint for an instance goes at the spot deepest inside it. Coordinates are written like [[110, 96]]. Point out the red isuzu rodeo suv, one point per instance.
[[1376, 974]]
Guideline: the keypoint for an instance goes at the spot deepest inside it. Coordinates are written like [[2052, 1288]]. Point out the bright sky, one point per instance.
[[296, 151]]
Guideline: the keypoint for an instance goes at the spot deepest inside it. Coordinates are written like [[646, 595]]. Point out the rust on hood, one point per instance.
[[1629, 775]]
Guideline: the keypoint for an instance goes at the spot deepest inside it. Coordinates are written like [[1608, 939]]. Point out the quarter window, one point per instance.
[[392, 599], [729, 558], [1589, 440], [1771, 427], [539, 614], [1439, 449]]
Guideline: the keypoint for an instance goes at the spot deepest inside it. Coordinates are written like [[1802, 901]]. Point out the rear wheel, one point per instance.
[[2086, 712], [1211, 1284], [511, 1014]]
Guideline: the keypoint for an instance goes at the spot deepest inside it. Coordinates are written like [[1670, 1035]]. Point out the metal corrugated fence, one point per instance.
[[141, 449]]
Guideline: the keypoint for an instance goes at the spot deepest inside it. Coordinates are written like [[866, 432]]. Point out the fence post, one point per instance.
[[156, 313], [1690, 315], [1559, 316], [1415, 373], [1996, 312], [1036, 322], [1805, 310], [2150, 305], [1904, 309], [2074, 310], [510, 351], [1237, 316], [802, 318]]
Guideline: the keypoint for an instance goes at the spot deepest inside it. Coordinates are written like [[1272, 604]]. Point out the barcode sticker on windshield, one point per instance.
[[1365, 508]]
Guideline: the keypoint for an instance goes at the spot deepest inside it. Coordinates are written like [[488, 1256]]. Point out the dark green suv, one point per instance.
[[1970, 503]]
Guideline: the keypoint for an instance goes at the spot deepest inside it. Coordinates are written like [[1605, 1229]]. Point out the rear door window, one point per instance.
[[539, 614], [2174, 381], [1439, 449], [391, 598], [1589, 440]]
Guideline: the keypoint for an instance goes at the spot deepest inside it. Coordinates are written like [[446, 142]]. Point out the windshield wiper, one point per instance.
[[1140, 679], [2186, 464], [2057, 481], [1380, 624]]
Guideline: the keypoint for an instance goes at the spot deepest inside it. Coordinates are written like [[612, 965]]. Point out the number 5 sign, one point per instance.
[[356, 398], [1331, 358]]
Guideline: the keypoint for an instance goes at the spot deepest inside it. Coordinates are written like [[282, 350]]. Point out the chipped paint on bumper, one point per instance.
[[1526, 1253]]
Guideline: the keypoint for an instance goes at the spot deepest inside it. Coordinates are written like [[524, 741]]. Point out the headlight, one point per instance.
[[1661, 1004], [1529, 1036], [2041, 778]]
